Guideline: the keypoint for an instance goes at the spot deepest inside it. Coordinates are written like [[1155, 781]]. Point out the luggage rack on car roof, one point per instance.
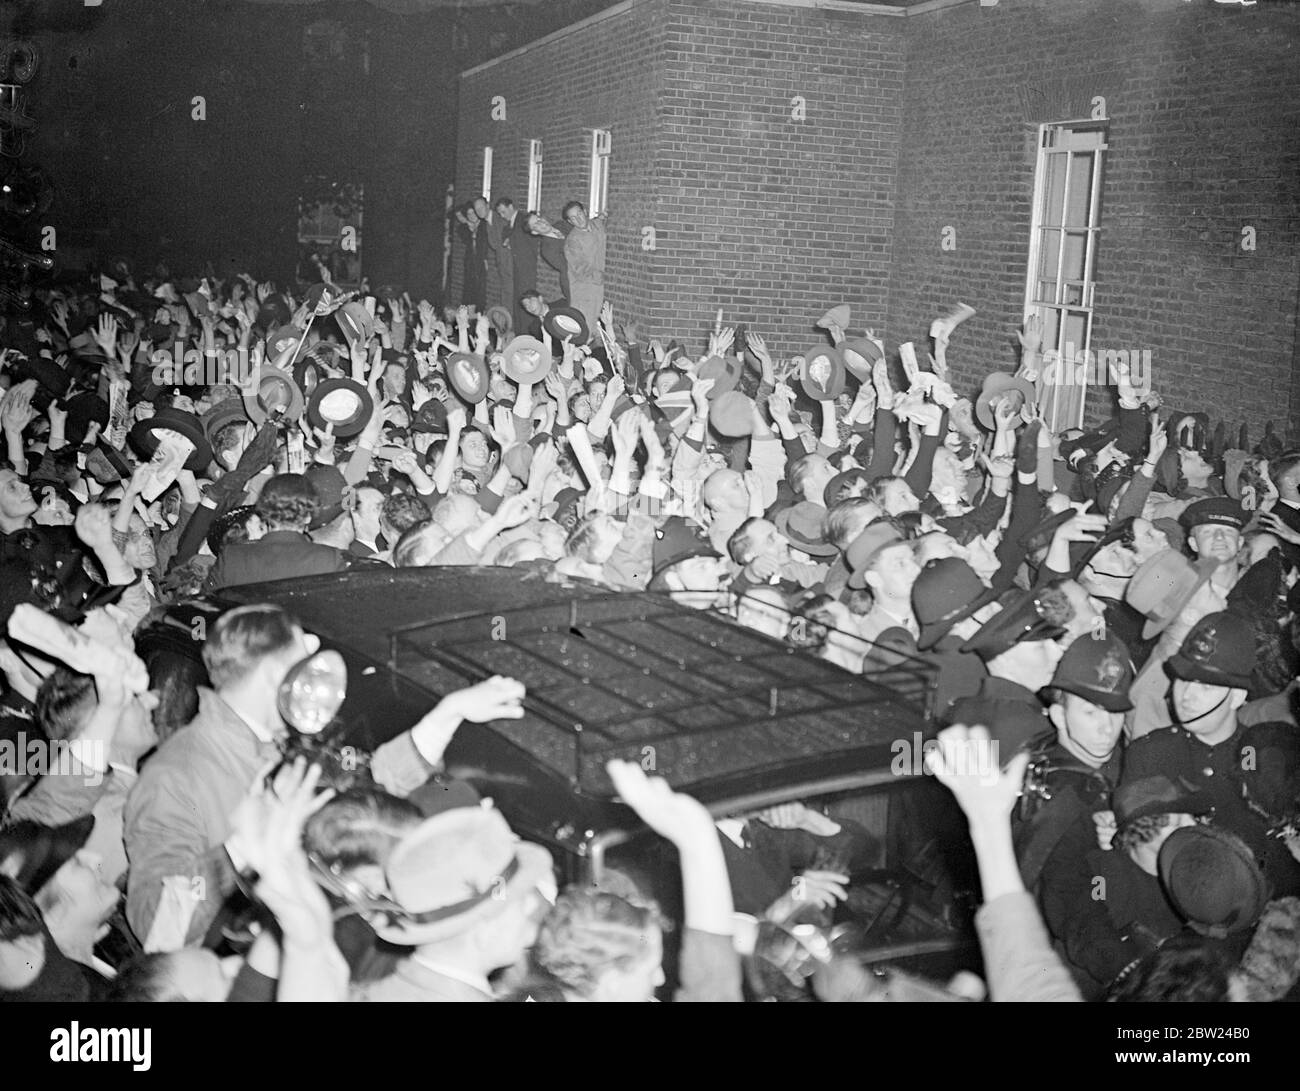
[[689, 693]]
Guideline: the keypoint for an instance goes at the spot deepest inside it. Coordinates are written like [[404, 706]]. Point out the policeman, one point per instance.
[[1205, 745], [1073, 770]]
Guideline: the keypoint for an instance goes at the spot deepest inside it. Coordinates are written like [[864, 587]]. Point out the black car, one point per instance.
[[737, 719]]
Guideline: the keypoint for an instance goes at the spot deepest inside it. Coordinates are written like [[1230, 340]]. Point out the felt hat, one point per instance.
[[344, 403], [317, 364], [468, 376], [1019, 621], [86, 408], [946, 592], [723, 370], [456, 871], [1212, 880], [804, 525], [823, 373], [1012, 723], [142, 435], [1163, 585], [1148, 796], [567, 323], [526, 360], [837, 487], [864, 549], [224, 412], [430, 417], [275, 390], [502, 320], [860, 355], [732, 414], [355, 322], [282, 338], [997, 383]]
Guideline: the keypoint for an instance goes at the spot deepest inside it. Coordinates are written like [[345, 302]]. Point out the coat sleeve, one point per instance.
[[398, 767], [1018, 958]]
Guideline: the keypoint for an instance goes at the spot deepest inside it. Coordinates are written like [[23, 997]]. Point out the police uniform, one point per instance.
[[1061, 792], [1219, 650]]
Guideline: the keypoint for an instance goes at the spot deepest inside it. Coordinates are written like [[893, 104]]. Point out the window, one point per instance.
[[598, 197], [1062, 259], [534, 175], [487, 175]]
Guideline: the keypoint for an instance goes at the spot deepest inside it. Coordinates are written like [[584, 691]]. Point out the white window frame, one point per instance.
[[487, 174], [534, 176], [598, 192], [1063, 403]]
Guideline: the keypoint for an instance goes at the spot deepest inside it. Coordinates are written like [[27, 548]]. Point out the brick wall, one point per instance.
[[770, 218], [1204, 117], [607, 75]]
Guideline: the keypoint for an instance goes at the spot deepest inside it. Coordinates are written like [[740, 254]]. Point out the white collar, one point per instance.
[[466, 977], [731, 829]]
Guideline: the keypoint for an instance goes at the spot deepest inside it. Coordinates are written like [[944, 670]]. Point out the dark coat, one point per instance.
[[279, 555]]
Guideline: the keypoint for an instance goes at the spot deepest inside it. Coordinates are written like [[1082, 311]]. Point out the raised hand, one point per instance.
[[496, 698], [880, 380], [1031, 335], [106, 334], [673, 815]]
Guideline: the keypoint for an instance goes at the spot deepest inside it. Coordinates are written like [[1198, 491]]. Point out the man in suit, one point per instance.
[[287, 505], [499, 245], [524, 251]]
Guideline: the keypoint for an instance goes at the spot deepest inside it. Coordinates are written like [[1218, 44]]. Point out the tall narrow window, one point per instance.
[[598, 197], [1062, 258], [487, 175], [535, 175]]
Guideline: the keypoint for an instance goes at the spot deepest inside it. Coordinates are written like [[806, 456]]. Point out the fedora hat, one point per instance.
[[859, 355], [317, 364], [455, 871], [732, 414], [823, 373], [221, 414], [142, 435], [567, 323], [355, 322], [502, 320], [275, 390], [865, 548], [1163, 585], [723, 370], [282, 338], [468, 376], [997, 383], [526, 360], [804, 525], [1161, 794], [344, 403]]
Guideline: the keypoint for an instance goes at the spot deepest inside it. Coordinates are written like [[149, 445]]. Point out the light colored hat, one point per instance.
[[457, 870]]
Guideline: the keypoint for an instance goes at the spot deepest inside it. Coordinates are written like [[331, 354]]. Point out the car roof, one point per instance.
[[690, 695]]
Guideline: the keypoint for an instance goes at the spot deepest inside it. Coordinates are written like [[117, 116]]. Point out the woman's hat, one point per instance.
[[455, 871], [143, 438], [567, 323], [468, 375], [1212, 880], [823, 373], [275, 390], [526, 360], [344, 403]]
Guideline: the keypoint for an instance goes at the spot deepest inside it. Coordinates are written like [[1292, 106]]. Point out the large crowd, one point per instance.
[[1109, 611]]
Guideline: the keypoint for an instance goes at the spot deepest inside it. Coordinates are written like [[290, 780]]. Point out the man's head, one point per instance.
[[1088, 731], [1088, 696], [394, 379], [139, 551], [192, 974], [66, 700], [891, 573], [77, 903], [475, 451], [1285, 473], [365, 513], [504, 206], [758, 539], [420, 545], [848, 518], [575, 212], [893, 494], [724, 493], [533, 303], [481, 207], [17, 505], [600, 947], [1214, 528], [1211, 675], [250, 650], [287, 502], [229, 443], [809, 476], [457, 513]]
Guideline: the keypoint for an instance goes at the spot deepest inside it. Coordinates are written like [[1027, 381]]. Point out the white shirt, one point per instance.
[[466, 977]]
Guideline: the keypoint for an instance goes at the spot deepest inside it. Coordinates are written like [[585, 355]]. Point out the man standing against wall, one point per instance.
[[500, 247], [584, 250], [524, 249]]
